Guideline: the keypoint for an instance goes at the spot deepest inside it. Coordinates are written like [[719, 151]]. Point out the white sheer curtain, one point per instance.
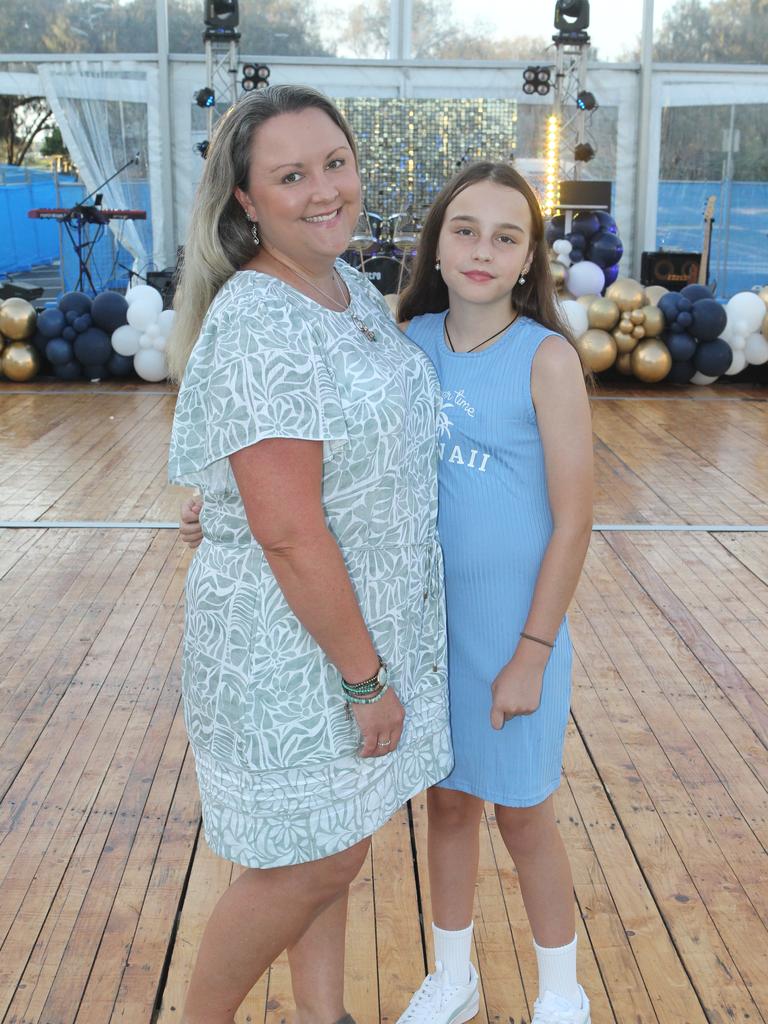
[[102, 111]]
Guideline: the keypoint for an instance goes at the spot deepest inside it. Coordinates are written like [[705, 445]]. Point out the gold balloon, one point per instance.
[[558, 273], [637, 316], [624, 342], [627, 294], [20, 361], [651, 361], [765, 326], [654, 321], [587, 300], [626, 325], [638, 332], [597, 350], [17, 319], [603, 314], [654, 293], [763, 293], [624, 364]]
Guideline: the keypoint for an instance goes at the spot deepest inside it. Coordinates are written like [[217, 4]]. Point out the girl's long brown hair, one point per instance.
[[427, 292]]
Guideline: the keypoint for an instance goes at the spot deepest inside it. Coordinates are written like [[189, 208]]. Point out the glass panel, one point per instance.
[[485, 29], [716, 151], [710, 31], [80, 26]]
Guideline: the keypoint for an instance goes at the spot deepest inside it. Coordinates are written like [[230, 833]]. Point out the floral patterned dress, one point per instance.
[[275, 746]]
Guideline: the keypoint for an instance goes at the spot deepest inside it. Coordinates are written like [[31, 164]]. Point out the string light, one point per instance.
[[552, 166]]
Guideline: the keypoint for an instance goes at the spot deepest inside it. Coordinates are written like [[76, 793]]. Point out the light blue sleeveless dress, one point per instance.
[[494, 523]]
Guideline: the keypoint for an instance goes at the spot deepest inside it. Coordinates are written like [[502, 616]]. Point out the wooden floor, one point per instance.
[[105, 881]]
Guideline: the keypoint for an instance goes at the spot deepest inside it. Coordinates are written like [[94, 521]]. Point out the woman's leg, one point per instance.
[[317, 966], [454, 853], [263, 912]]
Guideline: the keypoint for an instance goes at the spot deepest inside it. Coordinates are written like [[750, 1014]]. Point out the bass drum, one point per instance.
[[387, 274]]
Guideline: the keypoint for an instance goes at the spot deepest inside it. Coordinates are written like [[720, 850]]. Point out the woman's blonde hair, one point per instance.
[[219, 240]]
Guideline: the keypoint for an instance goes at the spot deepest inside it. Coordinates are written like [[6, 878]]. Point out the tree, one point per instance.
[[724, 32], [21, 121], [53, 144]]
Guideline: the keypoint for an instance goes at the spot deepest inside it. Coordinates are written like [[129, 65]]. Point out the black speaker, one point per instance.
[[672, 270]]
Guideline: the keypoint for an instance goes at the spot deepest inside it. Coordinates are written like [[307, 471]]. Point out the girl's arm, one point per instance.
[[562, 411]]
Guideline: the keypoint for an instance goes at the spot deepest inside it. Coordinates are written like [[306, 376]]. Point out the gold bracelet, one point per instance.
[[537, 639]]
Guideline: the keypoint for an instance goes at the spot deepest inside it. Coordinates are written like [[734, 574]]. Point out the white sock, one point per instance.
[[452, 950], [557, 971]]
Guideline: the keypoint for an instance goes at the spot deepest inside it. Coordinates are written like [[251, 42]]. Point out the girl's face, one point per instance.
[[303, 187], [485, 242]]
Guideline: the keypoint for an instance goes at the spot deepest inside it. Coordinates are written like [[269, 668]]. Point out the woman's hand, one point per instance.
[[189, 528], [517, 688], [380, 724]]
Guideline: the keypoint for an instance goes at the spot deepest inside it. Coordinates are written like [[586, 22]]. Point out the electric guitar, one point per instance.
[[709, 220]]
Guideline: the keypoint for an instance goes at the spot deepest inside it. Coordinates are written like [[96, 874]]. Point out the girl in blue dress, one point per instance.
[[514, 520]]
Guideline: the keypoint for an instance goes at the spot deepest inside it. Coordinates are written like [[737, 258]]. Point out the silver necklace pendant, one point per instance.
[[363, 327]]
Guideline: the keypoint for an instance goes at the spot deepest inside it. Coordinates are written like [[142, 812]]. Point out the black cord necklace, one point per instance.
[[480, 343]]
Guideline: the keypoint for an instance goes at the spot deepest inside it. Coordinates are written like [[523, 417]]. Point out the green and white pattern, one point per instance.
[[274, 744]]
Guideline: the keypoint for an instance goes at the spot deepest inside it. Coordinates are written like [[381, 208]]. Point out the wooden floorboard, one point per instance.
[[105, 879]]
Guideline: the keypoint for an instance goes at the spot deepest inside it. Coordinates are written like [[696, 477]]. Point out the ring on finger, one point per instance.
[[384, 743]]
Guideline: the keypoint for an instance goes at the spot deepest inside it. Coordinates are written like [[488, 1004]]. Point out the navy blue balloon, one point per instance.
[[71, 315], [696, 292], [586, 224], [668, 306], [93, 347], [605, 249], [607, 223], [576, 256], [75, 302], [684, 320], [120, 366], [577, 241], [109, 311], [611, 274], [69, 333], [96, 371], [68, 371], [39, 341], [684, 305], [51, 322], [82, 323], [555, 229], [681, 346], [713, 358], [58, 351], [681, 372], [709, 319]]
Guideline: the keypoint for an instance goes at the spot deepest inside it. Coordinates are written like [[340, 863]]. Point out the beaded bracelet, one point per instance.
[[350, 699]]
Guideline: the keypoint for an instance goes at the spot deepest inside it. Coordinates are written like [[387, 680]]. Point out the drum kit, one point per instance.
[[383, 248]]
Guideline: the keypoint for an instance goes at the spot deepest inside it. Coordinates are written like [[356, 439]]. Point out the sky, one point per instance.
[[615, 25]]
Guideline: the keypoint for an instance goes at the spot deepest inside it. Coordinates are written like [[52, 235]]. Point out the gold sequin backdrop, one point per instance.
[[409, 148]]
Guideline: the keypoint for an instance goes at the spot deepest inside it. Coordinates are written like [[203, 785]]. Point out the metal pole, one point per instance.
[[727, 196], [643, 138], [168, 241]]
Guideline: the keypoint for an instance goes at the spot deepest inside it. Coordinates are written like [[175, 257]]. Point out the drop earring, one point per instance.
[[254, 229], [521, 279], [437, 264]]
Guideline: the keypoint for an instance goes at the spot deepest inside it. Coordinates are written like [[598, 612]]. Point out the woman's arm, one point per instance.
[[562, 410], [280, 482]]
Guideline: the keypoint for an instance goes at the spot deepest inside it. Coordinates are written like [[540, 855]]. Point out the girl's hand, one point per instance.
[[380, 724], [189, 527], [517, 688]]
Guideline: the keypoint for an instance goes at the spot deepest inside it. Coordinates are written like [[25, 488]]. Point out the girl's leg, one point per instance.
[[454, 852], [263, 912], [317, 966], [534, 842]]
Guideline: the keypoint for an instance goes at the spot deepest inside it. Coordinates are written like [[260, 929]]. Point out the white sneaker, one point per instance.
[[552, 1009], [436, 1001]]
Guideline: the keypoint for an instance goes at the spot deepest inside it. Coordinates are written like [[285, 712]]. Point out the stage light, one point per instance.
[[552, 166], [572, 15], [584, 152], [586, 101], [262, 76], [205, 98], [536, 80], [221, 14]]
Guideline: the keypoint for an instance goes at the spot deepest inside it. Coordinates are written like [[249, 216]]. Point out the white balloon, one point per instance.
[[702, 378], [142, 313], [160, 343], [153, 330], [125, 340], [165, 321], [585, 278], [738, 342], [151, 365], [575, 316], [145, 293], [741, 327], [562, 246], [748, 307], [145, 341], [756, 349], [738, 363]]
